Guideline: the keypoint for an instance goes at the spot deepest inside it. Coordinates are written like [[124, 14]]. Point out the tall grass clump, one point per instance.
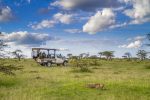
[[81, 65], [93, 62]]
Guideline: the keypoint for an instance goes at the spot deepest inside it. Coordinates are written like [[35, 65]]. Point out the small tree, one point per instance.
[[84, 55], [81, 55], [69, 55], [18, 54], [142, 54], [128, 55], [87, 55], [100, 54], [108, 54]]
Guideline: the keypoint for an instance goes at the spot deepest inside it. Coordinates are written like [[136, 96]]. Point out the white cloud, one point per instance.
[[29, 1], [100, 21], [141, 38], [66, 4], [24, 41], [63, 18], [137, 43], [57, 18], [86, 5], [140, 21], [5, 14], [119, 25], [140, 11], [73, 30], [44, 24], [27, 39]]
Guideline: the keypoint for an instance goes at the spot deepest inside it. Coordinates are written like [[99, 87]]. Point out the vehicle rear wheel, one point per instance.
[[49, 64], [58, 64]]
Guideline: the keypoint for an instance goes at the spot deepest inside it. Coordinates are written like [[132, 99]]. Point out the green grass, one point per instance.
[[124, 80]]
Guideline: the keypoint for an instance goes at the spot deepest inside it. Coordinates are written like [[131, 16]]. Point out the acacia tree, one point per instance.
[[87, 55], [128, 55], [142, 54], [18, 54], [82, 55], [69, 55], [100, 54], [108, 54]]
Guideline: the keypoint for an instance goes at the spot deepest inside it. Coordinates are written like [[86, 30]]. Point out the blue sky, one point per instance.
[[80, 26]]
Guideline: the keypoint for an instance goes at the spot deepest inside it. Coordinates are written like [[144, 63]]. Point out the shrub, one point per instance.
[[8, 69], [85, 69], [147, 66], [81, 64]]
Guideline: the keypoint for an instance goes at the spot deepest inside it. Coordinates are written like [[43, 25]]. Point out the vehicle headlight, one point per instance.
[[39, 60]]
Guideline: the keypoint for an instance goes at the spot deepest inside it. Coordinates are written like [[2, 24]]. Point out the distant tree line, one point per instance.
[[108, 55]]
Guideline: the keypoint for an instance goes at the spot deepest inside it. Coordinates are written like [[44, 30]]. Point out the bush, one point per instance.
[[94, 62], [85, 62], [147, 66], [8, 69], [85, 69], [81, 64]]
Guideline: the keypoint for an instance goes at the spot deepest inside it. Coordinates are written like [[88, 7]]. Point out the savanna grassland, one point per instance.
[[123, 80]]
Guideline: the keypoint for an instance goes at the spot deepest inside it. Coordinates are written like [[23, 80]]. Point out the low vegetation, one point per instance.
[[121, 80], [7, 68]]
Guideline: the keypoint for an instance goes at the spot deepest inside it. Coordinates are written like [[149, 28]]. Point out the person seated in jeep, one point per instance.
[[43, 55], [49, 56], [59, 56]]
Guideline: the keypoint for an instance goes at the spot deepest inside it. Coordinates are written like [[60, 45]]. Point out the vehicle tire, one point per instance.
[[65, 63], [49, 64], [43, 64], [58, 64]]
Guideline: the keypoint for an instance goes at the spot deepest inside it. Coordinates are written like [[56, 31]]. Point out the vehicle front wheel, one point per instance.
[[49, 64], [65, 63]]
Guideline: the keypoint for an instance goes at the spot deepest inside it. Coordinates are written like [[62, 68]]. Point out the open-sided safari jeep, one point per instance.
[[47, 57]]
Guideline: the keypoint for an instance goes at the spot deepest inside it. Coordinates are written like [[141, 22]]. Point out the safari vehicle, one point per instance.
[[47, 57]]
